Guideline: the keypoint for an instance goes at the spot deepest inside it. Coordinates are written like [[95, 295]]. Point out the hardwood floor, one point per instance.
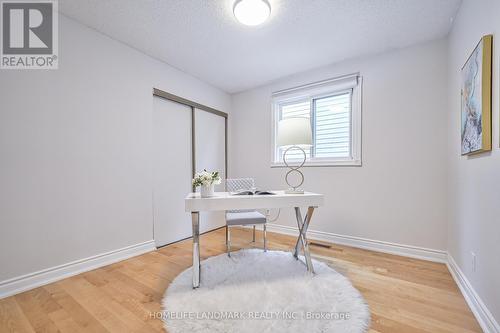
[[405, 295]]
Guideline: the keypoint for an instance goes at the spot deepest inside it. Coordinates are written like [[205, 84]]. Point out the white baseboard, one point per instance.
[[481, 312], [40, 278], [367, 244]]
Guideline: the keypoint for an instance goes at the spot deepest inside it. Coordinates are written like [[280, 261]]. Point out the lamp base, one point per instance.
[[294, 191]]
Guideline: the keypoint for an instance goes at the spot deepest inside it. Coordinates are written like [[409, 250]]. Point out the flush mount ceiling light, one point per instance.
[[251, 12]]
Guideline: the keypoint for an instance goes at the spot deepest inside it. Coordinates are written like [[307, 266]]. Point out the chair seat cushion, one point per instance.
[[244, 218]]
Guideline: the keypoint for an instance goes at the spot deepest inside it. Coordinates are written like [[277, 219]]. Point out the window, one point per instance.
[[334, 108]]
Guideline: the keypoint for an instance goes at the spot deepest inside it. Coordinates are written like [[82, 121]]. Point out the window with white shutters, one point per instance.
[[334, 109]]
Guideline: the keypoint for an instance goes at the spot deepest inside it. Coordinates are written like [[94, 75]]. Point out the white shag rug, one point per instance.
[[256, 291]]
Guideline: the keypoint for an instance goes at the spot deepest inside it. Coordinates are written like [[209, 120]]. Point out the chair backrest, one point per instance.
[[239, 184]]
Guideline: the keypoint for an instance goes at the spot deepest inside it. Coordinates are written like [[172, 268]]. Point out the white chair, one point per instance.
[[243, 217]]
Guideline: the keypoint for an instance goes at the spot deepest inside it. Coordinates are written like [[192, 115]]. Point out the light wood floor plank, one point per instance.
[[12, 317]]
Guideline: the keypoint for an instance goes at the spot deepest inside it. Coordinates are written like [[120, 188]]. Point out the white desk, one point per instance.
[[224, 201]]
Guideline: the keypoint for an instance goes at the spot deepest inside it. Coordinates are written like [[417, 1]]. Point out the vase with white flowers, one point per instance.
[[206, 181]]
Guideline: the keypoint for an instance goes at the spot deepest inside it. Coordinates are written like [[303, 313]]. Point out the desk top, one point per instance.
[[225, 201]]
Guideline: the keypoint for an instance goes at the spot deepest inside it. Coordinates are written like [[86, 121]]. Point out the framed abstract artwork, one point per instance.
[[476, 98]]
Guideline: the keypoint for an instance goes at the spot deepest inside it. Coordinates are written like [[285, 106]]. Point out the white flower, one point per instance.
[[206, 178]]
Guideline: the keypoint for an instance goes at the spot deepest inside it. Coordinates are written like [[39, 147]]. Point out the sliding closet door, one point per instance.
[[172, 170], [210, 154]]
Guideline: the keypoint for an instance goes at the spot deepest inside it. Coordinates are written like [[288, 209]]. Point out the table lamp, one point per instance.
[[294, 134]]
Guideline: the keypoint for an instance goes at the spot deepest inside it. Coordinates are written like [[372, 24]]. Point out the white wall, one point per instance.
[[75, 150], [474, 182], [398, 195]]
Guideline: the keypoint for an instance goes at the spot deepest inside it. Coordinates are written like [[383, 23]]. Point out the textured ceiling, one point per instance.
[[202, 37]]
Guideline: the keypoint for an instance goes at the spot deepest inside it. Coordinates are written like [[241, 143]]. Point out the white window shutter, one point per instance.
[[332, 126]]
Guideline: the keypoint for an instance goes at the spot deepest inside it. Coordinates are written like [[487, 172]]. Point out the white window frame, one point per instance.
[[347, 83]]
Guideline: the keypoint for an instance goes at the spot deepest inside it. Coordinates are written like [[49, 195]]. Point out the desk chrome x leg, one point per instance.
[[195, 218], [302, 239]]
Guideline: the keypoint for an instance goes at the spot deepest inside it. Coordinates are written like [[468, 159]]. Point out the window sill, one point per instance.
[[331, 163]]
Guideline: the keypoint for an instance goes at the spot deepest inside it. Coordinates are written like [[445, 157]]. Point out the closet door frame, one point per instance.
[[193, 106]]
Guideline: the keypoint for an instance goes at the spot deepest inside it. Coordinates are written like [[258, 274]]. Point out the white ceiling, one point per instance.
[[202, 37]]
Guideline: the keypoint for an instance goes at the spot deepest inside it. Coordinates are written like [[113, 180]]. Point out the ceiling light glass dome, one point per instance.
[[251, 12]]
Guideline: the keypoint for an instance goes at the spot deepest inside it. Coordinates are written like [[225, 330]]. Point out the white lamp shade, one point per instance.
[[294, 132]]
